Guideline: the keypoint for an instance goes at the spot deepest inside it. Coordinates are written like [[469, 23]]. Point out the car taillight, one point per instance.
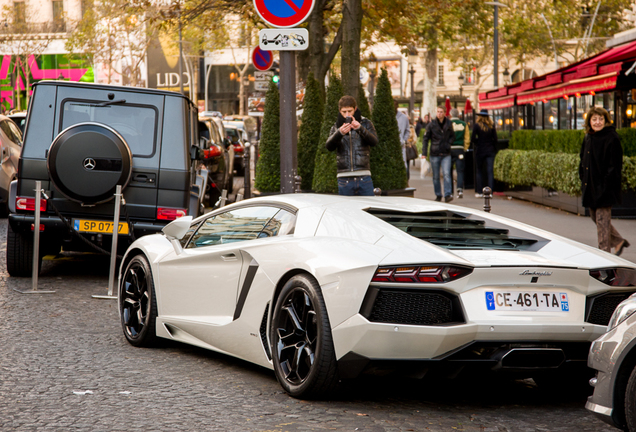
[[238, 148], [164, 213], [615, 276], [213, 151], [28, 204], [420, 274]]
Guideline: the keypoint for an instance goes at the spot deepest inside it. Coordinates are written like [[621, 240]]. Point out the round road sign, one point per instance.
[[284, 13], [263, 60]]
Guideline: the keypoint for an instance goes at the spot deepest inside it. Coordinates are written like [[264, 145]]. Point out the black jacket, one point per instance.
[[484, 141], [354, 148], [441, 137], [601, 168]]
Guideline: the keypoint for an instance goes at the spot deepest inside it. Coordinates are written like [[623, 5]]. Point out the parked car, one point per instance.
[[86, 140], [218, 159], [20, 119], [613, 356], [238, 139], [10, 147], [321, 288]]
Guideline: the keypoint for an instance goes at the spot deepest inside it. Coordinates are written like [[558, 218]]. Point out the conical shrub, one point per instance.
[[326, 169], [267, 177], [387, 166], [309, 133], [363, 103]]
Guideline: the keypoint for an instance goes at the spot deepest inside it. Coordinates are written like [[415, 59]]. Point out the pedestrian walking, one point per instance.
[[419, 126], [405, 132], [352, 137], [484, 140], [600, 172], [460, 144], [441, 135]]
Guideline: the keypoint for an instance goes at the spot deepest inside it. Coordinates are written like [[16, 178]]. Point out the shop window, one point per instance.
[[440, 74], [58, 16], [564, 117], [550, 114], [538, 115]]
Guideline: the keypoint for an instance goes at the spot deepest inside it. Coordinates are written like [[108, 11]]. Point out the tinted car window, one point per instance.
[[283, 223], [135, 123], [232, 226], [5, 125], [17, 132]]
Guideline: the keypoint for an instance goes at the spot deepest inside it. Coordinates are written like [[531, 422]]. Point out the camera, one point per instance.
[[348, 120]]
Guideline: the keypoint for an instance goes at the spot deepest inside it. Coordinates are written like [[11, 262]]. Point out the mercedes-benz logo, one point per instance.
[[89, 164]]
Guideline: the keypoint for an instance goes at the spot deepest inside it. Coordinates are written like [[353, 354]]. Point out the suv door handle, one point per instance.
[[229, 257], [144, 178]]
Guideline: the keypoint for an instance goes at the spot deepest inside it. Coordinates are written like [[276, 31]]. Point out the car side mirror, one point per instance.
[[226, 142], [196, 153], [176, 229]]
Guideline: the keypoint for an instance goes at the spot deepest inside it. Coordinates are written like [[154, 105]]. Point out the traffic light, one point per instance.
[[276, 69], [276, 78]]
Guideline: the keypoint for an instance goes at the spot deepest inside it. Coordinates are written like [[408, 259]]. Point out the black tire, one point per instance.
[[87, 161], [630, 403], [20, 253], [300, 331], [137, 303]]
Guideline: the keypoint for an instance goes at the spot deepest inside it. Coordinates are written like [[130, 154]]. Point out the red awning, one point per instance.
[[597, 84], [497, 103]]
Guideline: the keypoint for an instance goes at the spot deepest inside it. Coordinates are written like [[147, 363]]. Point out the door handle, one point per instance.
[[229, 257]]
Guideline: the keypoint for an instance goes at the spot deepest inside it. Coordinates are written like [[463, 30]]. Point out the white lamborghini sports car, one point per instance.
[[321, 288]]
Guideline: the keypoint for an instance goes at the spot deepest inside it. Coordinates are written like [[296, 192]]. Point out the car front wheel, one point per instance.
[[137, 303], [303, 353], [630, 402]]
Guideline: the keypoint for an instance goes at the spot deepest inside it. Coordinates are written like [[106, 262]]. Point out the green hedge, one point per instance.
[[565, 141], [556, 171]]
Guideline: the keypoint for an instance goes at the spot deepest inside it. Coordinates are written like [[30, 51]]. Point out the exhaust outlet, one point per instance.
[[531, 358]]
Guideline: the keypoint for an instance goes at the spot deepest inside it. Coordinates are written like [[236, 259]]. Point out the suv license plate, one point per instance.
[[535, 301], [96, 226]]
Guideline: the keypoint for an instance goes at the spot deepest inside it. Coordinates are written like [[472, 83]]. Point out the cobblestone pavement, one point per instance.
[[65, 366]]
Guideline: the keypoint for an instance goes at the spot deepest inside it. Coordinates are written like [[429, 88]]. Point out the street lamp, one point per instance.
[[496, 4], [461, 79], [372, 61], [506, 76], [413, 57]]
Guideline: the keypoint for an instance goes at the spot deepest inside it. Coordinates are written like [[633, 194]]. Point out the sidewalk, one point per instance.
[[579, 228]]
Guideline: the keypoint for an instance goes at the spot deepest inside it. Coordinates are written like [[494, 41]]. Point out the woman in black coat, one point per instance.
[[600, 173], [484, 141]]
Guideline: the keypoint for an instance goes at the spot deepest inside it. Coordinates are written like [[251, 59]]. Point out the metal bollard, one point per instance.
[[297, 183], [113, 248], [247, 181], [377, 191], [487, 197]]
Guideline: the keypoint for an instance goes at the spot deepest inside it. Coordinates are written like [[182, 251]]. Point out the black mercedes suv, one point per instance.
[[81, 141]]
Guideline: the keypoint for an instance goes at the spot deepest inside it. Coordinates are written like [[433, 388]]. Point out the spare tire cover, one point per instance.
[[87, 161]]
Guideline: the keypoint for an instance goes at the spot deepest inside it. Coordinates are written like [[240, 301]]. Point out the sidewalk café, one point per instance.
[[560, 99]]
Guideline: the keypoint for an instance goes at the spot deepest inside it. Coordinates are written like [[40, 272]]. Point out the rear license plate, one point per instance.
[[96, 226], [535, 301]]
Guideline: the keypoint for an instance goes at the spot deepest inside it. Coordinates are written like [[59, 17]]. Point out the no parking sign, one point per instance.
[[263, 60], [284, 13]]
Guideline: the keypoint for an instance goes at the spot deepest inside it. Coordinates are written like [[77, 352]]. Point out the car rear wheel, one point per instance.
[[303, 353], [630, 402], [137, 303], [20, 253]]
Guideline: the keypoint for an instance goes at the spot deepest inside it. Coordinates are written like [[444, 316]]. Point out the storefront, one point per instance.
[[560, 99]]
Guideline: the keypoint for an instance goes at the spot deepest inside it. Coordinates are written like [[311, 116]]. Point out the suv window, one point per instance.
[[11, 131], [137, 124], [242, 224]]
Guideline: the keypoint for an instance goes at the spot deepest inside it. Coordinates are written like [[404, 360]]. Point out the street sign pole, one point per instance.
[[288, 132]]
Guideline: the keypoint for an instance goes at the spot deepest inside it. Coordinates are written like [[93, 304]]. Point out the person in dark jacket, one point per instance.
[[600, 173], [441, 135], [352, 136], [484, 141]]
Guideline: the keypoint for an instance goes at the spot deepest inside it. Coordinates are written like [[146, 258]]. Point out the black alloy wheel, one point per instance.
[[137, 304], [630, 402], [303, 354]]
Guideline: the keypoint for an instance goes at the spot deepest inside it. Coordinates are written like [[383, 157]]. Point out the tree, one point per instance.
[[387, 165], [325, 168], [309, 133], [363, 102], [267, 178]]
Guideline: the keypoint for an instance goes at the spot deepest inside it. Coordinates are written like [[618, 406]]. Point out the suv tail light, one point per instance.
[[420, 274], [28, 204], [615, 276], [238, 148], [165, 213], [213, 151]]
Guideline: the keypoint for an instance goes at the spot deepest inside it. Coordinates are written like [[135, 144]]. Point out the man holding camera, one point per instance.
[[352, 136]]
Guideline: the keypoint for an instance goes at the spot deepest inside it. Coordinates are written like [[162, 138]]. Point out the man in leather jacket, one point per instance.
[[352, 136], [441, 134]]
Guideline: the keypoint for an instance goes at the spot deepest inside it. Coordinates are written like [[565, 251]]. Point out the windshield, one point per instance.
[[454, 230], [137, 124]]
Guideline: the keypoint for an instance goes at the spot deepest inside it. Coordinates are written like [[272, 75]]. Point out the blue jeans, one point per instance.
[[445, 163], [352, 186], [459, 166], [484, 165]]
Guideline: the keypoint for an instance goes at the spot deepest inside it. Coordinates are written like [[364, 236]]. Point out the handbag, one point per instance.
[[411, 152]]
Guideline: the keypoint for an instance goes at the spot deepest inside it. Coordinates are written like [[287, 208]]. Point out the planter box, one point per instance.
[[572, 204]]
